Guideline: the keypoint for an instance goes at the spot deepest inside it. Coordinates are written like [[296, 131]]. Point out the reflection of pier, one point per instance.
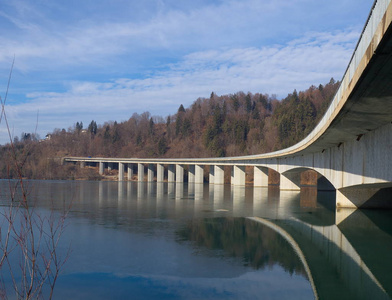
[[335, 268]]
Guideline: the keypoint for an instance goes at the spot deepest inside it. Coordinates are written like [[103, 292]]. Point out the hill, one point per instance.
[[227, 125]]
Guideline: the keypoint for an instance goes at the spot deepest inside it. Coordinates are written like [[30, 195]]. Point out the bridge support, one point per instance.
[[130, 171], [140, 172], [211, 176], [160, 172], [260, 176], [120, 171], [101, 167], [179, 173], [171, 173], [150, 173], [199, 173], [364, 197], [217, 175], [290, 181], [191, 174], [239, 175]]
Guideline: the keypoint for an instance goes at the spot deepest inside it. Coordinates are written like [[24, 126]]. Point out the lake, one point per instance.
[[133, 240]]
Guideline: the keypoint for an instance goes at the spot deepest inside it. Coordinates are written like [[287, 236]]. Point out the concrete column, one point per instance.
[[191, 174], [260, 176], [364, 197], [239, 175], [211, 177], [232, 175], [287, 182], [101, 167], [171, 174], [199, 174], [82, 164], [150, 173], [130, 172], [219, 174], [120, 171], [140, 172], [160, 172], [179, 173]]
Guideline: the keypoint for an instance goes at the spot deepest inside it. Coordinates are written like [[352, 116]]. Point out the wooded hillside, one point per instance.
[[227, 125]]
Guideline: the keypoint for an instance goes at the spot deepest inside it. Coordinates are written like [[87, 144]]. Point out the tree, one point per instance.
[[79, 126], [248, 103], [92, 128], [162, 146], [151, 127], [181, 109], [28, 235]]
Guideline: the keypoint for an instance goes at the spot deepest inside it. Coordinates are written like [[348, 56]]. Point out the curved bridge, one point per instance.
[[349, 149]]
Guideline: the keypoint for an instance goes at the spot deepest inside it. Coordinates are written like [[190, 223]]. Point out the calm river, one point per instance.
[[134, 240]]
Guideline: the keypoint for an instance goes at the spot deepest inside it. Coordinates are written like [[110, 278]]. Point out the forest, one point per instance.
[[218, 126]]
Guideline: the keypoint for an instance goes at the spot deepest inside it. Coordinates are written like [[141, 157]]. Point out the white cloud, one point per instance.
[[106, 61], [313, 59]]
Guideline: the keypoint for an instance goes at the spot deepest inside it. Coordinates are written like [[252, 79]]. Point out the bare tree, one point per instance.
[[29, 238]]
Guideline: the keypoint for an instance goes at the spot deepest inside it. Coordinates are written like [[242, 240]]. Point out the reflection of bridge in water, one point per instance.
[[349, 149], [350, 260], [335, 268]]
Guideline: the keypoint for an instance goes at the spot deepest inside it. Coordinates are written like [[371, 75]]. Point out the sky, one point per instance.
[[104, 60]]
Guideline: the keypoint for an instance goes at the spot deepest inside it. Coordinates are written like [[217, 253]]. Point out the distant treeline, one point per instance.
[[227, 125]]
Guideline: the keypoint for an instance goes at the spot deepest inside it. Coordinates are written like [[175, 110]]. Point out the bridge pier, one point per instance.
[[120, 171], [290, 181], [217, 174], [179, 173], [130, 171], [150, 173], [364, 197], [101, 167], [140, 172], [211, 175], [171, 174], [191, 174], [260, 176], [199, 173], [160, 172], [239, 175]]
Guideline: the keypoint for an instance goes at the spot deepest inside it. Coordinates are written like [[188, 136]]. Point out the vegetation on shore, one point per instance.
[[227, 125]]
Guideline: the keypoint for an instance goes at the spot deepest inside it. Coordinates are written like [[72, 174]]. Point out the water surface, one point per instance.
[[134, 240]]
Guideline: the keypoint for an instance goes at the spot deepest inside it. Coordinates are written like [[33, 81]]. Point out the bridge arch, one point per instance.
[[306, 176]]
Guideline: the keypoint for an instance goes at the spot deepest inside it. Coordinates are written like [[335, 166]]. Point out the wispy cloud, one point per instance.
[[106, 61], [275, 70]]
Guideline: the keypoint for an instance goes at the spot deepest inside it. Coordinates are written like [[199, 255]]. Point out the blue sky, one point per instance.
[[103, 60]]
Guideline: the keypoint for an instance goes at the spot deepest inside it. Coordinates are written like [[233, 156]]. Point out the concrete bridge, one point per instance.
[[349, 149]]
